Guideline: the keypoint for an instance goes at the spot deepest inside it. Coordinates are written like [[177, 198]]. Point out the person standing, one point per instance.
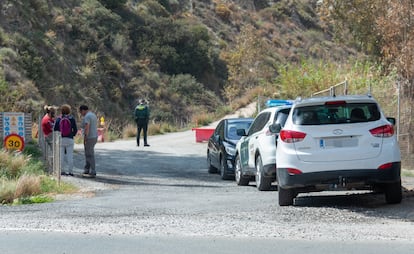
[[47, 124], [66, 124], [90, 137], [142, 114]]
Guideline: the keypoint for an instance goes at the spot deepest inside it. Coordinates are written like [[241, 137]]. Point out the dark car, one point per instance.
[[221, 147]]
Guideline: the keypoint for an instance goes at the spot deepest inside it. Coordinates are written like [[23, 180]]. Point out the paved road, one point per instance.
[[160, 199]]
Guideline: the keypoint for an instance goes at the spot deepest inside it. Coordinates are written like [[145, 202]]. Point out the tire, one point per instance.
[[211, 168], [240, 179], [286, 196], [224, 170], [263, 183], [393, 193]]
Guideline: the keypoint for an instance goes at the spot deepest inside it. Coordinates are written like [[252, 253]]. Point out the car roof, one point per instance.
[[346, 98], [241, 119], [277, 108]]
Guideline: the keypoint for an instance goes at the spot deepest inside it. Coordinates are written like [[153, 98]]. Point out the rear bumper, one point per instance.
[[344, 178]]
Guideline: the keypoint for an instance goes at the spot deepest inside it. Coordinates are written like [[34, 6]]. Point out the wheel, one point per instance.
[[262, 182], [286, 196], [393, 193], [224, 170], [211, 168], [240, 179]]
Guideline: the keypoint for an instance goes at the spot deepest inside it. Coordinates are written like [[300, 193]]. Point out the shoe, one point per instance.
[[92, 174], [146, 145], [85, 171], [70, 174], [63, 173]]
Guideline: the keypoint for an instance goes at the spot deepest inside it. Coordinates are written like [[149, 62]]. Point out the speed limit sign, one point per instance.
[[14, 142]]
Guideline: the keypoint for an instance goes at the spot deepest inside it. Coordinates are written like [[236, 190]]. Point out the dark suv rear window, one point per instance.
[[336, 113]]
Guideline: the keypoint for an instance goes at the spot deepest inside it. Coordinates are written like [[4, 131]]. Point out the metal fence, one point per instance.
[[51, 155]]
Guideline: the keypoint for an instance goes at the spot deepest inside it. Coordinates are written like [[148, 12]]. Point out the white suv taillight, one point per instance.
[[288, 136], [384, 131]]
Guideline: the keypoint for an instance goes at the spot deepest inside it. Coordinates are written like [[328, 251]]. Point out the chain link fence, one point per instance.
[[51, 153]]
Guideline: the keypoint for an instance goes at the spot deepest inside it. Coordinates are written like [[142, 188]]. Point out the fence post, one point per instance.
[[398, 110], [56, 154]]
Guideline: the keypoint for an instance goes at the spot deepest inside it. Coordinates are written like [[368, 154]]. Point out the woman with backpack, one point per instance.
[[66, 124]]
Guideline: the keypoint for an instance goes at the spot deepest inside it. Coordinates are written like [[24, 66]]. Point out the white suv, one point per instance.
[[337, 143], [256, 150]]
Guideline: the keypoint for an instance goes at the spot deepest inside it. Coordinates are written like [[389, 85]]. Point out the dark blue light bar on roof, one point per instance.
[[275, 103]]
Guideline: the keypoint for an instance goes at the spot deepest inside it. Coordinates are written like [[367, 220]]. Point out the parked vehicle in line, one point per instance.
[[256, 150], [222, 146], [337, 143]]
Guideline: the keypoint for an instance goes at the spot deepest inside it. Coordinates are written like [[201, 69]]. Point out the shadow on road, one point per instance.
[[369, 204], [121, 167]]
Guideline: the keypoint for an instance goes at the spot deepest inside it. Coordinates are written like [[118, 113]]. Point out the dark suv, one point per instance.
[[221, 146]]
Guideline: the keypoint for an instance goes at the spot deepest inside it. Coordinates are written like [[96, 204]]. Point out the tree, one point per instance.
[[246, 63], [397, 30], [358, 17], [386, 27]]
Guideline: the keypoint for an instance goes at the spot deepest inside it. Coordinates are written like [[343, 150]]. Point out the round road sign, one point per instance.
[[14, 142]]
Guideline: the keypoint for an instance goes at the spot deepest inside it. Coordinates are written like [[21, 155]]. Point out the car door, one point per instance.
[[280, 118], [218, 136], [247, 147]]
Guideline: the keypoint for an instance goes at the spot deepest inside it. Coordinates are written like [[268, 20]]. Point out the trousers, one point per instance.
[[142, 125], [89, 146]]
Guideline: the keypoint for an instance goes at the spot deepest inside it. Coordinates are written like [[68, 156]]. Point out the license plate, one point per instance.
[[341, 142]]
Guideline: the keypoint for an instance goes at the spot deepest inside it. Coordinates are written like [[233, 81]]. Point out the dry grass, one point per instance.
[[202, 119], [7, 190], [11, 164], [16, 164], [28, 185], [129, 131], [4, 159]]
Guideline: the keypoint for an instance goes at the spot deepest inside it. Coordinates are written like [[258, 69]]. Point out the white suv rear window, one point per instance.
[[336, 112]]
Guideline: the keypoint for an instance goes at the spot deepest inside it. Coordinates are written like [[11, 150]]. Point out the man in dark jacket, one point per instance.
[[142, 114]]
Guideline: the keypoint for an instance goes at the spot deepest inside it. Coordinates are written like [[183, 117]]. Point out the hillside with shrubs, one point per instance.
[[196, 60], [187, 58]]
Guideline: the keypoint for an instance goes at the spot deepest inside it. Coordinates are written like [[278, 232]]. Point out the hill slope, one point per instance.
[[179, 55]]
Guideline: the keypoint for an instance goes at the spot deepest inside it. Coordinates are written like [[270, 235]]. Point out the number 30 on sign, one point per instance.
[[14, 142]]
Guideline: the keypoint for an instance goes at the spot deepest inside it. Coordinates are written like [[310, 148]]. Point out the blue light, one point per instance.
[[275, 103]]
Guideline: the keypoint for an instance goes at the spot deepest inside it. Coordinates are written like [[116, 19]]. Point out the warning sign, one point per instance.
[[13, 122]]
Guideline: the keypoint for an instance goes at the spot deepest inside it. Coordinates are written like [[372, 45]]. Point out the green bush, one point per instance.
[[113, 4], [32, 149]]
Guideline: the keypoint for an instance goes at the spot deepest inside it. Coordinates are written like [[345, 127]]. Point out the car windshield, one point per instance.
[[336, 113], [234, 126]]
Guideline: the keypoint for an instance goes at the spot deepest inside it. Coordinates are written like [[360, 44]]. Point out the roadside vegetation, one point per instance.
[[23, 179]]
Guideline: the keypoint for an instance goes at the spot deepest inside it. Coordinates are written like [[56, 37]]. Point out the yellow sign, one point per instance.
[[14, 142]]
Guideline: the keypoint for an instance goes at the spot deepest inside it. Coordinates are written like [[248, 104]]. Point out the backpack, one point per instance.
[[65, 126]]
